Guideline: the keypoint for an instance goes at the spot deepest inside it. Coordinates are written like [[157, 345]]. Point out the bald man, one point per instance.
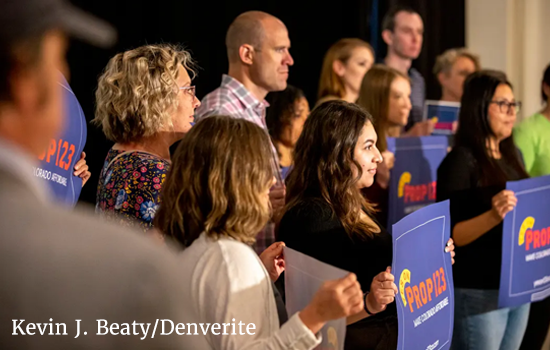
[[259, 59]]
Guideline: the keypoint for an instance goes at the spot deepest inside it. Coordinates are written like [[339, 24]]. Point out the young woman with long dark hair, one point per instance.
[[328, 218], [473, 176]]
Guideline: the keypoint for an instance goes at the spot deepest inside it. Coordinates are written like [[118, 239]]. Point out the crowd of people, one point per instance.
[[198, 235]]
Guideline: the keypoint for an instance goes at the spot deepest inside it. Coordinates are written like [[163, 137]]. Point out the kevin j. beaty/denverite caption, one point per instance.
[[164, 326]]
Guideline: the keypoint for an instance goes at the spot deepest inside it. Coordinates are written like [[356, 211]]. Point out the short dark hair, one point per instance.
[[388, 23], [545, 80], [21, 55], [281, 110]]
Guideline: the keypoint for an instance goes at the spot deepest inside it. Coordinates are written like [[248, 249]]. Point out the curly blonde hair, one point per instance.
[[219, 176], [137, 91]]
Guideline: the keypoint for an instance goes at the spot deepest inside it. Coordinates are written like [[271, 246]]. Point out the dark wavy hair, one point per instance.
[[220, 172], [474, 128], [324, 164], [281, 110]]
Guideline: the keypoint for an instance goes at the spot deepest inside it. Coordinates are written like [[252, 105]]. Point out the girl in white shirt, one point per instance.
[[214, 201]]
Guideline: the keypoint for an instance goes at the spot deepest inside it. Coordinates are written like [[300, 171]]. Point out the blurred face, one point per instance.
[[272, 60], [367, 155], [400, 102], [38, 96], [406, 39], [355, 68], [501, 120], [293, 132], [183, 116], [452, 82]]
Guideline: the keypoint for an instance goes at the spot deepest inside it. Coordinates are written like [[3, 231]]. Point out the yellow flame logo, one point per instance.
[[528, 223], [403, 280], [404, 179]]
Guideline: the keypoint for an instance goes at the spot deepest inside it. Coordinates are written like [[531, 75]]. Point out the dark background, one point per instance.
[[200, 26]]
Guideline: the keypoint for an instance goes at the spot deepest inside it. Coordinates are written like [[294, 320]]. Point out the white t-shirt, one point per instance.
[[228, 284]]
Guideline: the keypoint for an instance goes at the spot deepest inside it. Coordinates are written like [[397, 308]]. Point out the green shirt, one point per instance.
[[532, 136]]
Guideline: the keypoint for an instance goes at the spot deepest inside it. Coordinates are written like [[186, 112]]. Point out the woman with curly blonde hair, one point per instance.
[[145, 103]]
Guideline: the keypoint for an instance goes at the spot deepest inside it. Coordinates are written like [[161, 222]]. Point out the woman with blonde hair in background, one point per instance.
[[145, 103], [385, 93], [215, 201], [344, 66]]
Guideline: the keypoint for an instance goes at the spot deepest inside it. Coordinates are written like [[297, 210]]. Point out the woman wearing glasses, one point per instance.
[[473, 176], [145, 103]]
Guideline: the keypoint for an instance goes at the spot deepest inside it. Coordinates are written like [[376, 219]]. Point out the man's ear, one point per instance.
[[246, 54], [387, 36], [441, 78]]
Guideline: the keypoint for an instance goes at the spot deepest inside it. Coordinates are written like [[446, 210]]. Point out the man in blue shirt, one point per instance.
[[402, 31]]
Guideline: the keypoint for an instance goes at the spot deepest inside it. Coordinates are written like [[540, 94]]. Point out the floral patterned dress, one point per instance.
[[129, 189]]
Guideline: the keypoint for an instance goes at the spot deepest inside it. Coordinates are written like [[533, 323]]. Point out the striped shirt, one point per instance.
[[418, 96], [232, 98]]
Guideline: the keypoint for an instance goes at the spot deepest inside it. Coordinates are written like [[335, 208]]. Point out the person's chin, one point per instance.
[[282, 85], [368, 183]]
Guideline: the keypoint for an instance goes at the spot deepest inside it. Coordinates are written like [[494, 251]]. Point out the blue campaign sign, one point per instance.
[[413, 177], [446, 114], [525, 272], [57, 163], [423, 271]]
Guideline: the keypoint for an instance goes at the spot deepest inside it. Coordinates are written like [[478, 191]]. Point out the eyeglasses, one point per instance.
[[506, 107], [189, 89]]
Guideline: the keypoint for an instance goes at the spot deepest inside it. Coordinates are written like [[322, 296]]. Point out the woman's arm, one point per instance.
[[467, 231]]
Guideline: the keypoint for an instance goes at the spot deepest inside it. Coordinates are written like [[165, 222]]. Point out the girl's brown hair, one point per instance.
[[330, 84], [218, 182], [324, 165], [375, 98]]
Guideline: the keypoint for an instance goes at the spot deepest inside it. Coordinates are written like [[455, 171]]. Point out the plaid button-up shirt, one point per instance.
[[233, 99]]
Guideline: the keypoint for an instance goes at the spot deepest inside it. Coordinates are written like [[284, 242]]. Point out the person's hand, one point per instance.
[[454, 127], [273, 260], [503, 202], [423, 128], [81, 169], [277, 198], [450, 248], [383, 171], [335, 299], [382, 291]]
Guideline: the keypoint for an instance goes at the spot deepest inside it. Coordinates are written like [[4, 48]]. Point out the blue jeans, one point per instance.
[[479, 325]]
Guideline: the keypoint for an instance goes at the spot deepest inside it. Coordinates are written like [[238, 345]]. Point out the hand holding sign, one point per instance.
[[503, 202], [81, 169], [273, 260], [382, 291], [383, 172], [335, 299], [423, 128], [277, 199], [450, 248]]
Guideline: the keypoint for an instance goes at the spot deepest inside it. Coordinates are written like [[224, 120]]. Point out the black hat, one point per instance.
[[20, 19]]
